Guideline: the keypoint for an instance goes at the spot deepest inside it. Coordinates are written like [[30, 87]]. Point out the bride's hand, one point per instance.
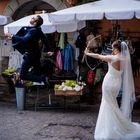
[[86, 50]]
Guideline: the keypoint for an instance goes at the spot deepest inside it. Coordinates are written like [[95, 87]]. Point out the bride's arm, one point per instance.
[[106, 58]]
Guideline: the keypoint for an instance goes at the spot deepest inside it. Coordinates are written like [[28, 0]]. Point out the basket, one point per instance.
[[68, 93]]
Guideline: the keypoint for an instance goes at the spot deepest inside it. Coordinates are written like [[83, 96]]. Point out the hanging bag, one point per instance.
[[90, 77]]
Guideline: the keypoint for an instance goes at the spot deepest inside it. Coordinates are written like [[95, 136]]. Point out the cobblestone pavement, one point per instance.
[[49, 124], [46, 124]]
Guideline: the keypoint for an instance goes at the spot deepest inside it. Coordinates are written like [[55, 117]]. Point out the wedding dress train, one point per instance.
[[112, 123]]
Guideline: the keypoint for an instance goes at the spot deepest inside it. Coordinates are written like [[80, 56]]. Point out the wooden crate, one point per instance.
[[68, 93]]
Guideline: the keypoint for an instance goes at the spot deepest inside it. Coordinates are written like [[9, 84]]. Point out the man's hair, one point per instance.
[[40, 21]]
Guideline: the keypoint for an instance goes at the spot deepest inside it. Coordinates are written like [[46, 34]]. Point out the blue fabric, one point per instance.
[[68, 58], [26, 41], [29, 61]]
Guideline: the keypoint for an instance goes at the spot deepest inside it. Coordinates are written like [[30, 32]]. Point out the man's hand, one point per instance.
[[9, 35]]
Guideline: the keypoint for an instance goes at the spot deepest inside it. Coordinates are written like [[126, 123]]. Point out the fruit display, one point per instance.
[[70, 85], [9, 72]]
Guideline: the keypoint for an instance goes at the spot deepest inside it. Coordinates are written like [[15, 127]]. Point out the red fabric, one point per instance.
[[90, 77]]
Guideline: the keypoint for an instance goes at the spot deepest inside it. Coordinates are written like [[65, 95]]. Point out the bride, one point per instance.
[[114, 123]]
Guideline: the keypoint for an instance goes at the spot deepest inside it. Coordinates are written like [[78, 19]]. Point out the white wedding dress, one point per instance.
[[112, 123]]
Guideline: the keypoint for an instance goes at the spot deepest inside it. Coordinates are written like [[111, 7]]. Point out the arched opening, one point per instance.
[[18, 9], [32, 7]]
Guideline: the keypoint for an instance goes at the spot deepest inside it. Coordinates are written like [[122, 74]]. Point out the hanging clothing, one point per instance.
[[93, 42], [59, 62], [75, 36], [61, 41], [90, 76], [98, 75], [77, 53], [15, 60], [68, 58]]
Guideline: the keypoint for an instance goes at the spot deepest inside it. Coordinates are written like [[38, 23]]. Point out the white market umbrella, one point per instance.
[[47, 27], [5, 19], [109, 9]]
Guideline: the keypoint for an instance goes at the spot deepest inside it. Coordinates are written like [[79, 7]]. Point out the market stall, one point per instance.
[[99, 10]]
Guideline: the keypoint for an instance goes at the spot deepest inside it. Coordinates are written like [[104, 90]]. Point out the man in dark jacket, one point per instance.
[[26, 41]]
